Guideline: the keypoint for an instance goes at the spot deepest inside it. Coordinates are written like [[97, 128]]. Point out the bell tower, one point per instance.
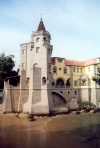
[[39, 71]]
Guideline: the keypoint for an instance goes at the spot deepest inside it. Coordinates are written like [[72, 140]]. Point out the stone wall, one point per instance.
[[14, 93], [24, 90], [7, 107]]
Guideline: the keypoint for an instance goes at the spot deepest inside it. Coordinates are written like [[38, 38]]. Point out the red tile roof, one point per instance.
[[41, 26], [77, 63], [74, 62]]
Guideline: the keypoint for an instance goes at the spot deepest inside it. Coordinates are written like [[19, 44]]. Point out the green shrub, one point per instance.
[[81, 103]]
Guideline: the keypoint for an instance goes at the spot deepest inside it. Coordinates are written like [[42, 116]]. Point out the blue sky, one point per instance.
[[74, 26]]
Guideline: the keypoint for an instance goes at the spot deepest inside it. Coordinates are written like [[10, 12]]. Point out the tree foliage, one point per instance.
[[6, 67]]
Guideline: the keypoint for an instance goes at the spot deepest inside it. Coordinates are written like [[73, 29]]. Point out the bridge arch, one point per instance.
[[58, 99]]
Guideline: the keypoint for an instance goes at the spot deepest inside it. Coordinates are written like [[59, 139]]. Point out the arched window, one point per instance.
[[75, 92], [54, 69], [38, 39], [65, 70], [44, 39], [59, 83], [43, 80], [53, 83], [37, 49], [68, 83]]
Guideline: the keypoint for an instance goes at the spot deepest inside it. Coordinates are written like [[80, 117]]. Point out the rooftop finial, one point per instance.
[[41, 16]]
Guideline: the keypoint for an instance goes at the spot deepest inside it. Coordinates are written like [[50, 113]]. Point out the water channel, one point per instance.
[[62, 131]]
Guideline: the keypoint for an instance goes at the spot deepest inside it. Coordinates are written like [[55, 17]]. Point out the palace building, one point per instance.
[[44, 83]]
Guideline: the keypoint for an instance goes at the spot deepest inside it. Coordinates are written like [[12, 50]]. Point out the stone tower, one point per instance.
[[35, 67]]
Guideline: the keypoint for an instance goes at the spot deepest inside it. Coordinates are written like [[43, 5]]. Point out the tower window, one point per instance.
[[43, 80], [38, 39], [44, 39], [37, 49], [27, 81]]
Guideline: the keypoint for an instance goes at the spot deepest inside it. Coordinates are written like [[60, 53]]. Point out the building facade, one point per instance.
[[46, 84]]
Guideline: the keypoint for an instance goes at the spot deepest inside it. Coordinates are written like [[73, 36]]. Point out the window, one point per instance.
[[54, 69], [75, 83], [73, 69], [23, 51], [75, 92], [43, 80], [59, 68], [77, 69], [65, 70], [44, 38], [38, 39], [37, 49], [27, 81], [32, 44], [68, 92], [81, 70], [88, 69], [53, 83]]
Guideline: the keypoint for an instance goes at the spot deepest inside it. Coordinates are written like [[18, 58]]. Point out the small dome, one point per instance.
[[84, 77]]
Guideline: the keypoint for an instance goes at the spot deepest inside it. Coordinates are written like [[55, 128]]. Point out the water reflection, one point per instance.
[[48, 132]]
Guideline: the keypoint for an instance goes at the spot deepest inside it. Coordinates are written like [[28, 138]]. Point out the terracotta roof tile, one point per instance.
[[74, 62]]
